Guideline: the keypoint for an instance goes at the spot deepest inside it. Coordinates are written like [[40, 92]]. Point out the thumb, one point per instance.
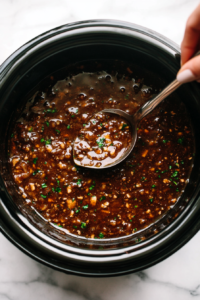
[[190, 71]]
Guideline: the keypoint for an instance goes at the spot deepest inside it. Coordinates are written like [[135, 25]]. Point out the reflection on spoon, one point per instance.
[[102, 141], [130, 122]]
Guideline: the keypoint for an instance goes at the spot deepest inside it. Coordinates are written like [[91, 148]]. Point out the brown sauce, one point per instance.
[[102, 141], [100, 203]]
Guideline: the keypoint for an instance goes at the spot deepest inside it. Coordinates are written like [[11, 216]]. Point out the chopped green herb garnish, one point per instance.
[[84, 125], [77, 211], [68, 126], [91, 187], [126, 97], [83, 225], [153, 186], [35, 160], [43, 196], [85, 206], [182, 162], [101, 142], [72, 116], [45, 162], [53, 189], [42, 140], [79, 181], [170, 167], [30, 129], [151, 200], [58, 131], [43, 185], [75, 226], [58, 182], [102, 198], [58, 189], [165, 141], [101, 235], [180, 141], [48, 142], [12, 135], [50, 110], [47, 123], [35, 172], [175, 174], [124, 126], [175, 182]]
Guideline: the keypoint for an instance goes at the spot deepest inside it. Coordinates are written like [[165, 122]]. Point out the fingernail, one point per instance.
[[185, 76]]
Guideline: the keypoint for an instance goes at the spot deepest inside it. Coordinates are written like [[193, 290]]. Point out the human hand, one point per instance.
[[190, 68]]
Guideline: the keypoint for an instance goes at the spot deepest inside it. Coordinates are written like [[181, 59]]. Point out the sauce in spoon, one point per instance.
[[102, 141]]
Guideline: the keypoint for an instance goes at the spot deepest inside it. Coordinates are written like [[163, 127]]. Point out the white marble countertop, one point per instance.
[[22, 278]]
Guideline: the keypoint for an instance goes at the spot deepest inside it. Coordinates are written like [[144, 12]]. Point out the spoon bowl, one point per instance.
[[133, 120]]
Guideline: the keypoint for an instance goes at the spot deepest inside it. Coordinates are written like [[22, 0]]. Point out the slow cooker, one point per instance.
[[23, 226]]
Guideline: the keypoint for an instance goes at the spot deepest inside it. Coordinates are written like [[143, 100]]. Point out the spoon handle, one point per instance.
[[150, 105]]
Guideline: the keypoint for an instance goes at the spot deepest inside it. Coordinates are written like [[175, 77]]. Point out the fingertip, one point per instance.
[[185, 76]]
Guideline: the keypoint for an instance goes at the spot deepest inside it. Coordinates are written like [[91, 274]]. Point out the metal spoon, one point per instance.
[[136, 118]]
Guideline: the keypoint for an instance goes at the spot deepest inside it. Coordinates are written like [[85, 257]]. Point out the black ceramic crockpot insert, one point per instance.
[[19, 76]]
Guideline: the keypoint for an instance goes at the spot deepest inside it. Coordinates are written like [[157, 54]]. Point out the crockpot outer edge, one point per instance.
[[6, 66]]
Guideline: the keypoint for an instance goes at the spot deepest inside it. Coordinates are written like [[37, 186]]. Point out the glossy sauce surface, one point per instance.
[[93, 203], [102, 141]]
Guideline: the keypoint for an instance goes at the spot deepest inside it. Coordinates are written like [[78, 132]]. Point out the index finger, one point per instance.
[[191, 40]]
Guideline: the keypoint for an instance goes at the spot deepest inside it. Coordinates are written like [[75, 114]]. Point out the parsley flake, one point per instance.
[[85, 206], [58, 189], [83, 225], [35, 160], [180, 141], [124, 126], [43, 196], [101, 142]]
